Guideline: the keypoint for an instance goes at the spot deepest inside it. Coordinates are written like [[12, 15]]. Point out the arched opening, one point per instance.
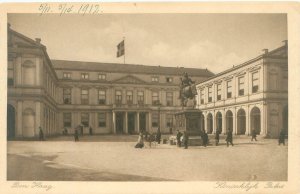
[[202, 123], [28, 122], [285, 119], [209, 123], [11, 121], [255, 120], [28, 74], [229, 121], [241, 122], [219, 122]]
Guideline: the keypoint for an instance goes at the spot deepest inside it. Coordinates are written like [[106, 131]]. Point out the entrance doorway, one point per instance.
[[241, 122], [229, 121], [11, 113], [119, 122], [255, 120], [219, 122], [131, 124], [142, 122]]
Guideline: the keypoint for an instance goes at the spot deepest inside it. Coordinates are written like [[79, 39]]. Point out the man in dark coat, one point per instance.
[[185, 140], [204, 137], [253, 134], [41, 134], [178, 138], [229, 137], [76, 135], [281, 139], [91, 130], [158, 136], [217, 137]]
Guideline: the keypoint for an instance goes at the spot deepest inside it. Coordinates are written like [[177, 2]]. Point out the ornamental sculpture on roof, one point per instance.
[[187, 89]]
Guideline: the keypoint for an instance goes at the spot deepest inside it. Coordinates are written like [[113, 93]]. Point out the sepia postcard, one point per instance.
[[150, 97]]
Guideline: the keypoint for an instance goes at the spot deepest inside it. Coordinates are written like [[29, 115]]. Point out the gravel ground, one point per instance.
[[116, 160]]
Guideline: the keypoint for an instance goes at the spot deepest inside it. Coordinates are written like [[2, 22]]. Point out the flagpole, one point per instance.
[[124, 48]]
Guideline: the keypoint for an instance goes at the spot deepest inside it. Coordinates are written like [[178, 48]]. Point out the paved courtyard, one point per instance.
[[114, 158]]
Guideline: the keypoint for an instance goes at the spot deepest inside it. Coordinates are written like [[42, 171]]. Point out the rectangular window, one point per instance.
[[155, 99], [255, 82], [202, 96], [129, 97], [67, 119], [10, 77], [154, 119], [241, 85], [67, 95], [229, 89], [101, 96], [140, 97], [209, 94], [66, 75], [84, 76], [118, 97], [169, 98], [169, 79], [102, 76], [154, 79], [101, 120], [219, 91], [84, 96], [85, 119], [169, 120]]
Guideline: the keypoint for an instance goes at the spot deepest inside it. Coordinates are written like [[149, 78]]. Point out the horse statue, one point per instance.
[[188, 90]]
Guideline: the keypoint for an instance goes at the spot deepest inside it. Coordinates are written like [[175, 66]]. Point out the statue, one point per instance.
[[187, 89]]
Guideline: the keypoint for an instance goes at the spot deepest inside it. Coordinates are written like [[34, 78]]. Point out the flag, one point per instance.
[[121, 49]]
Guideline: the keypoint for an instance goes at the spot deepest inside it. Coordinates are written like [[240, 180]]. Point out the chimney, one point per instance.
[[38, 40], [285, 42], [265, 51]]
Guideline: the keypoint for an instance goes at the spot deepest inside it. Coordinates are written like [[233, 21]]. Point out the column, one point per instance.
[[37, 69], [137, 122], [149, 122], [234, 121], [214, 121], [37, 117], [114, 122], [18, 70], [19, 119], [224, 122], [126, 122], [263, 121], [248, 120]]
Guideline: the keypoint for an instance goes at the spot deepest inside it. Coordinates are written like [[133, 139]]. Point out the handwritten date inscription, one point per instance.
[[64, 8]]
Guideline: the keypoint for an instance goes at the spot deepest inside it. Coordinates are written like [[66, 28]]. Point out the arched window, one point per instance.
[[229, 121], [11, 114], [219, 122], [209, 123]]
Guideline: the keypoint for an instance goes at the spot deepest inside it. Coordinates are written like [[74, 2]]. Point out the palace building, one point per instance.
[[249, 96], [111, 98]]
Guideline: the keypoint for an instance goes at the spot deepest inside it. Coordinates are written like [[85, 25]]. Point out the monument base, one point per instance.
[[188, 120]]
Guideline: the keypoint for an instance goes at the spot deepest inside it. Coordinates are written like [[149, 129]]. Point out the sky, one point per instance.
[[212, 41]]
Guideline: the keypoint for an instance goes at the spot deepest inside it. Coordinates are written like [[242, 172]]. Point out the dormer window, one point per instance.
[[84, 76], [67, 75], [169, 79], [102, 76], [154, 79]]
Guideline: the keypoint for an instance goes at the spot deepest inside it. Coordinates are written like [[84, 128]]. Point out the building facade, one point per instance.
[[111, 98], [250, 96]]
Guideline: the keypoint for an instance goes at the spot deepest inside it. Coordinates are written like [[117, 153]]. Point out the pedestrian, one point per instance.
[[281, 139], [140, 142], [229, 137], [81, 129], [204, 138], [253, 134], [178, 138], [158, 136], [217, 137], [185, 140], [41, 134], [91, 130], [65, 131], [76, 135]]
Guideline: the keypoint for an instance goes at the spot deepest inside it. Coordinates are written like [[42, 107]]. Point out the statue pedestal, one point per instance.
[[189, 120]]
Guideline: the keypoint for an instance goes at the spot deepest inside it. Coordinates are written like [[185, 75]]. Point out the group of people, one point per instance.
[[149, 137], [80, 128]]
